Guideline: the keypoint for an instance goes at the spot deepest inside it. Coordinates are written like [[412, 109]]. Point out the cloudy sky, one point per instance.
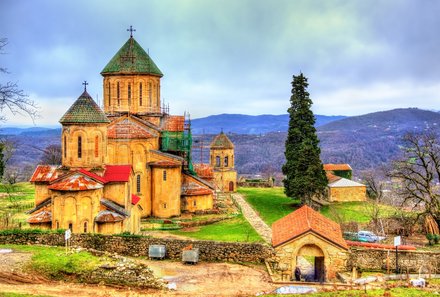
[[230, 56]]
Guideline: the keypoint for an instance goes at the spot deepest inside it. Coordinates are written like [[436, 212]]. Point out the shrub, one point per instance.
[[430, 238]]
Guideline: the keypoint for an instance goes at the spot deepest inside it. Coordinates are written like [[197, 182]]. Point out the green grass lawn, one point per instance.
[[14, 201], [270, 203], [53, 262], [5, 294], [233, 230]]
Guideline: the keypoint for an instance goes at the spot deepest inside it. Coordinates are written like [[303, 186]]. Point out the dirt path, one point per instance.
[[253, 218], [203, 279]]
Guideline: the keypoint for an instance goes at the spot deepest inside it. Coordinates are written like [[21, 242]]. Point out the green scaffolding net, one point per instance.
[[179, 143]]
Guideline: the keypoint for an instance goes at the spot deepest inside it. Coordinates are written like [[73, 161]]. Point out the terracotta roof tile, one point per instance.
[[107, 216], [204, 171], [222, 141], [76, 182], [164, 164], [127, 129], [190, 187], [337, 167], [135, 199], [379, 245], [174, 123], [40, 217], [117, 173], [45, 173], [92, 175], [331, 178], [304, 220]]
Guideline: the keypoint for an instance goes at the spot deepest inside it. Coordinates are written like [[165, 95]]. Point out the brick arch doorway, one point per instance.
[[310, 259], [231, 186]]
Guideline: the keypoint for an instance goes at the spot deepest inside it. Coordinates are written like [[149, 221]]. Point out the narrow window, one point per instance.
[[96, 146], [70, 226], [85, 227], [129, 94], [164, 205], [164, 175], [140, 94], [79, 147], [138, 183], [118, 93], [57, 224], [149, 94], [65, 146], [157, 95], [195, 203], [109, 97], [217, 161], [226, 161]]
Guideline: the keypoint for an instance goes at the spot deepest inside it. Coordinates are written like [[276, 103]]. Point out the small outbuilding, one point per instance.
[[343, 190], [310, 242]]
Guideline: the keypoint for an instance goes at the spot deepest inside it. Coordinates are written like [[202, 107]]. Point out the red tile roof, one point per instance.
[[304, 220], [164, 164], [380, 245], [40, 217], [331, 178], [135, 199], [117, 173], [44, 173], [77, 181], [174, 123], [92, 175], [204, 171], [337, 167], [107, 216], [127, 128]]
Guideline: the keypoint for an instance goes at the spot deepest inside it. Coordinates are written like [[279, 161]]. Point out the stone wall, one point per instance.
[[210, 251], [411, 261]]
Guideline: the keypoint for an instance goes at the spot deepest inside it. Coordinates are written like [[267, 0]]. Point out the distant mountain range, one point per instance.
[[365, 142], [247, 124]]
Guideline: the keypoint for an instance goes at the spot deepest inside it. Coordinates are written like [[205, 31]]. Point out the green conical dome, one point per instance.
[[84, 110], [131, 58]]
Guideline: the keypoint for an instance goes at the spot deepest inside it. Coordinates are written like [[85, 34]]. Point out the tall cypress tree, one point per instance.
[[303, 170]]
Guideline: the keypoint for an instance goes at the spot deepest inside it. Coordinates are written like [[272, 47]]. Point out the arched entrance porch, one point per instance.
[[310, 260]]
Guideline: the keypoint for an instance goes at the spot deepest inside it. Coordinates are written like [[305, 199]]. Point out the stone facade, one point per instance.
[[411, 261], [311, 245], [345, 194], [222, 161], [135, 246]]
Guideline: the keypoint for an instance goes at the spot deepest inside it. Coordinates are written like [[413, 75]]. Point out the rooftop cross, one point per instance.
[[131, 30], [85, 83]]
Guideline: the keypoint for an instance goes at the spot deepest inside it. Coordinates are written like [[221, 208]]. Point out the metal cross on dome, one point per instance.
[[131, 30], [85, 83]]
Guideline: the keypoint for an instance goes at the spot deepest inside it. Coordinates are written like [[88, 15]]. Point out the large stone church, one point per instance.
[[130, 160]]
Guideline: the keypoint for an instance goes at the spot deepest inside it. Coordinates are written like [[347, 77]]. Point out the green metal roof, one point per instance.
[[222, 141], [131, 58], [84, 110]]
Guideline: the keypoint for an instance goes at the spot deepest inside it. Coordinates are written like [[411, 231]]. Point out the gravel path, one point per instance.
[[253, 218]]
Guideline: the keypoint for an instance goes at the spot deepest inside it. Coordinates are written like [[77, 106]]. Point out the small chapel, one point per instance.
[[130, 160]]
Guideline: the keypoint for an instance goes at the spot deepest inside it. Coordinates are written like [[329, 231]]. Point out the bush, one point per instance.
[[436, 238], [430, 238]]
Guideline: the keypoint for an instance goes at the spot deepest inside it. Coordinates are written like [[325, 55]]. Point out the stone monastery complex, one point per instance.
[[130, 160]]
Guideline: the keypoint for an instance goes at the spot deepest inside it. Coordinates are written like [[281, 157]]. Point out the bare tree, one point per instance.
[[12, 97], [51, 154], [418, 173]]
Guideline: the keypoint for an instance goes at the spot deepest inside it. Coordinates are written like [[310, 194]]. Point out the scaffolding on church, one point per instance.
[[177, 139]]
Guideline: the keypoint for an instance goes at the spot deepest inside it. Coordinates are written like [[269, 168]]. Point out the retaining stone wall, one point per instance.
[[411, 261], [210, 251]]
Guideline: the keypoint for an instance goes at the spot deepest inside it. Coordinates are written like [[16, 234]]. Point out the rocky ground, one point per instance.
[[203, 279]]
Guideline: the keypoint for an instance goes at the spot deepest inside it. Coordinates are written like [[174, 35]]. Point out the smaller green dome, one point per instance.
[[84, 110]]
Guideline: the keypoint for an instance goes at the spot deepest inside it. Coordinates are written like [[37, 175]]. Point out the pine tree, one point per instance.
[[304, 174]]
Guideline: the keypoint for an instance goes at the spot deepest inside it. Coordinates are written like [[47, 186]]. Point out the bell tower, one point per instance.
[[222, 161]]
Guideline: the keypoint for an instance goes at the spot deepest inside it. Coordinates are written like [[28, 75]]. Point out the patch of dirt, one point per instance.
[[203, 279], [190, 229]]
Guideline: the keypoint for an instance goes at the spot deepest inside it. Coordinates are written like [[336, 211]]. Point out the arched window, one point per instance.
[[85, 227], [96, 146], [109, 97], [65, 146], [217, 161], [150, 94], [57, 225], [79, 147], [164, 205], [138, 183], [71, 226], [157, 95], [129, 94], [118, 93], [140, 94], [226, 161], [164, 175]]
